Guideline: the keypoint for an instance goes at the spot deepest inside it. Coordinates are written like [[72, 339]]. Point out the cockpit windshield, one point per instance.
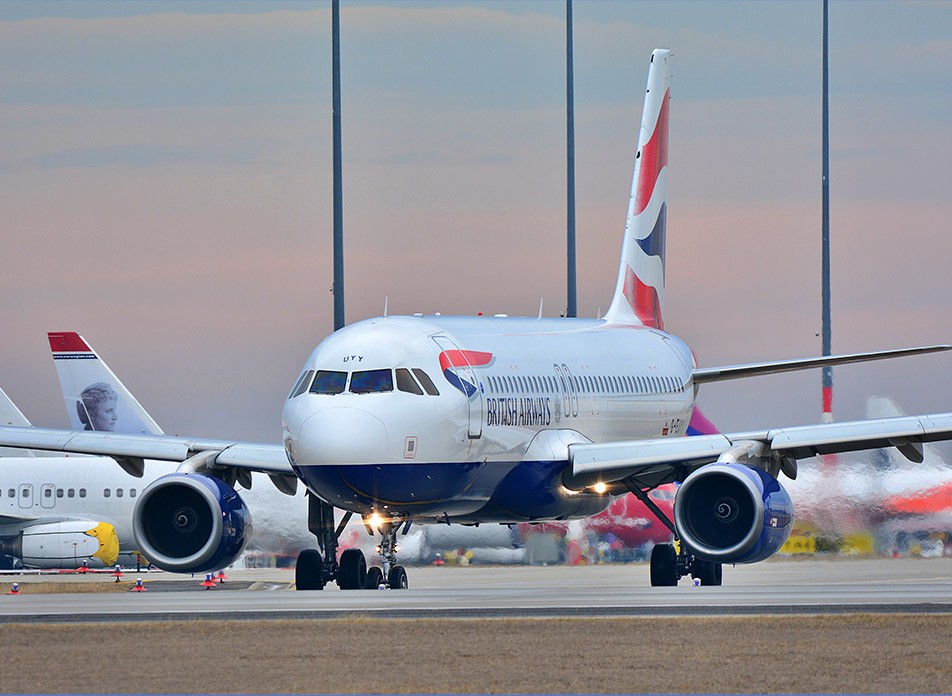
[[328, 382], [370, 381], [365, 382]]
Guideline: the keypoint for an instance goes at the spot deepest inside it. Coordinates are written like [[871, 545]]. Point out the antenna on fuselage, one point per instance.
[[827, 373], [572, 309], [338, 185]]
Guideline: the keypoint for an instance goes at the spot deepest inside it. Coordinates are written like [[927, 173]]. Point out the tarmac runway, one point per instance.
[[776, 587]]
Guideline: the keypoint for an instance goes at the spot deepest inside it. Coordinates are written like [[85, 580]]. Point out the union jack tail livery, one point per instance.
[[639, 291]]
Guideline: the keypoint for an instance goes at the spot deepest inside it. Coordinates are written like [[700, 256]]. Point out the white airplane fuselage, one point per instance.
[[49, 504], [492, 446]]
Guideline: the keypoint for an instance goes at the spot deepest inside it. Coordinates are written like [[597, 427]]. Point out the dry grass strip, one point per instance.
[[855, 653]]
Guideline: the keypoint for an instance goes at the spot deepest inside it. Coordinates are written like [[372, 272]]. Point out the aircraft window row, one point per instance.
[[586, 384], [107, 492], [48, 492], [408, 380]]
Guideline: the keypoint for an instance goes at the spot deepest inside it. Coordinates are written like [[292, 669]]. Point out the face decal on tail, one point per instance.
[[639, 291], [453, 360], [95, 398]]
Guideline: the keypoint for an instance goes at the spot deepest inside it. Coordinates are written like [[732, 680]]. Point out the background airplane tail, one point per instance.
[[95, 398], [639, 290]]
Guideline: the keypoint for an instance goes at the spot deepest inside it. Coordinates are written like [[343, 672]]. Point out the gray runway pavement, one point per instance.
[[775, 587]]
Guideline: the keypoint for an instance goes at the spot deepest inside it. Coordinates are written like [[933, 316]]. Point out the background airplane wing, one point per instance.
[[267, 458], [648, 463]]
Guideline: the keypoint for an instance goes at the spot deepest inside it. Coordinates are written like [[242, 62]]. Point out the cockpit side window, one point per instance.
[[304, 381], [329, 382], [406, 383], [426, 382], [370, 381]]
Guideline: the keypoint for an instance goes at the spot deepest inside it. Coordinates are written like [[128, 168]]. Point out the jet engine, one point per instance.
[[64, 544], [732, 513], [190, 523]]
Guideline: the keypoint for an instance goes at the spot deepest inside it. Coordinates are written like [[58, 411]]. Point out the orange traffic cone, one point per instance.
[[221, 576], [209, 583], [117, 573], [15, 589], [139, 586]]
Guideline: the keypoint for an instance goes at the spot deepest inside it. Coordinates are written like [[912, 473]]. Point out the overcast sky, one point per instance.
[[165, 178]]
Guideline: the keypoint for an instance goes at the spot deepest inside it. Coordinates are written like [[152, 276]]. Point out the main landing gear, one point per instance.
[[670, 563], [668, 566], [315, 568]]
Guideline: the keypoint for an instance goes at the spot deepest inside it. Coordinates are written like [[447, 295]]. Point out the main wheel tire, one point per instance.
[[708, 572], [397, 579], [309, 570], [664, 566], [353, 570], [374, 578]]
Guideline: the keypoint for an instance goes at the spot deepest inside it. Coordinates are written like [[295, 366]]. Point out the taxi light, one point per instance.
[[375, 521], [600, 487]]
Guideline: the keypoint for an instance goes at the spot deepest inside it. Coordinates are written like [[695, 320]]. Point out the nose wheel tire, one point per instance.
[[352, 574], [397, 579], [374, 578]]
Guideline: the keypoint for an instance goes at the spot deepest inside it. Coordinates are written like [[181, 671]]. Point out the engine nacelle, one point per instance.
[[732, 513], [190, 523], [65, 544]]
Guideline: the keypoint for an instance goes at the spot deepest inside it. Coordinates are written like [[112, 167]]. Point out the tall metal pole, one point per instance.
[[827, 415], [572, 308], [338, 185]]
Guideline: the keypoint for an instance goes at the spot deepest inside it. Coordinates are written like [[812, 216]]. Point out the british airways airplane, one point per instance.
[[453, 420]]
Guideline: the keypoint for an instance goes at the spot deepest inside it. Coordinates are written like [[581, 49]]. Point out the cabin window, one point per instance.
[[118, 492], [329, 382], [132, 492], [82, 492], [60, 492], [11, 493], [370, 381], [106, 493], [406, 383], [71, 493], [47, 492], [426, 382]]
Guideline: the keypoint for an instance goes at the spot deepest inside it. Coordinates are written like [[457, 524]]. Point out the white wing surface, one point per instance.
[[262, 457], [647, 463]]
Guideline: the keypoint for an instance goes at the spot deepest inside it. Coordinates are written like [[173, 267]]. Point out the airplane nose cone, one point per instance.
[[340, 436]]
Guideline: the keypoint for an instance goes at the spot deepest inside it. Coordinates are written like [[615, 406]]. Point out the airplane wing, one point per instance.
[[648, 463], [704, 375], [267, 458]]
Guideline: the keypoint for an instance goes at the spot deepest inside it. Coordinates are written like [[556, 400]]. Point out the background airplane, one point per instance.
[[53, 513]]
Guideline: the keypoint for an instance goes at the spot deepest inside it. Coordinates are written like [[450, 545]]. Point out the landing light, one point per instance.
[[600, 487], [375, 521]]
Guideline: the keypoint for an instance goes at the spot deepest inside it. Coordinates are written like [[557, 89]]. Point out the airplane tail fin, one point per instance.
[[639, 290], [95, 398], [10, 414]]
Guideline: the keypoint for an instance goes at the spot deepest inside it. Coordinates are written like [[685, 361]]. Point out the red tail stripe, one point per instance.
[[67, 342], [654, 157]]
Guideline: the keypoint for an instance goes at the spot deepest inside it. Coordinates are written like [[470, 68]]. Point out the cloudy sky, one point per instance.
[[165, 178]]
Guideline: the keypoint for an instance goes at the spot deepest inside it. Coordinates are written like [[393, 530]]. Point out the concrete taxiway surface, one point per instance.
[[775, 587]]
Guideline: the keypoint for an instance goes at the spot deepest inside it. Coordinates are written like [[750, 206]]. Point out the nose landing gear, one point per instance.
[[315, 568]]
